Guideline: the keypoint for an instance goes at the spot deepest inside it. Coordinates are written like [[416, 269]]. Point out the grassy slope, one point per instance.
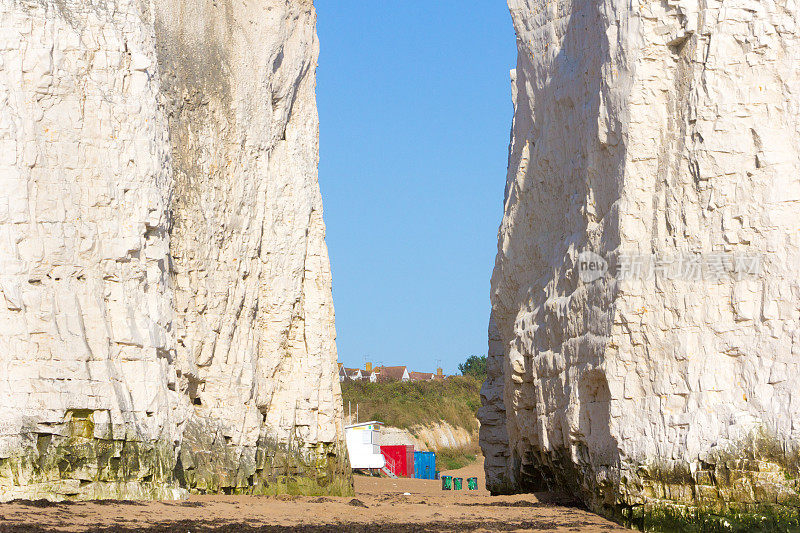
[[455, 458], [454, 400]]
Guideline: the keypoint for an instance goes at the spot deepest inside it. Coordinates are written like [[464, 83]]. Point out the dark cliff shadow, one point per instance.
[[594, 419], [565, 186]]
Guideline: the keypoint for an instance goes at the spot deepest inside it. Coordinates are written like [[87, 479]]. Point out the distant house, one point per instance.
[[386, 373], [349, 374], [392, 373]]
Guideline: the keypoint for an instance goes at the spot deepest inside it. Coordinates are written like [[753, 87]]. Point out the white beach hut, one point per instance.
[[363, 445]]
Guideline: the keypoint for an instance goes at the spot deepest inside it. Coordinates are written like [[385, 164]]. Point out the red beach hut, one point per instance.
[[399, 459]]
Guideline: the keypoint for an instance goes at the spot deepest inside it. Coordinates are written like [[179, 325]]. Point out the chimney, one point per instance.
[[438, 371], [368, 367]]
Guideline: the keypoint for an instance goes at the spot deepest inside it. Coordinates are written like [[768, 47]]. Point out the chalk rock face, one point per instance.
[[254, 312], [431, 437], [166, 311], [662, 137]]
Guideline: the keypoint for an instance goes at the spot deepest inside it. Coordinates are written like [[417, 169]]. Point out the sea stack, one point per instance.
[[166, 310], [663, 135]]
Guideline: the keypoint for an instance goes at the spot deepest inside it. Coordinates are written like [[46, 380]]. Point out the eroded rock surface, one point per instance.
[[665, 130], [167, 320], [429, 437]]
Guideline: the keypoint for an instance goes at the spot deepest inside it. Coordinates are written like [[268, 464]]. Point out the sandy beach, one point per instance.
[[380, 504]]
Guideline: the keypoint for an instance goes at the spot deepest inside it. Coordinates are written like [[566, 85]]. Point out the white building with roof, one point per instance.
[[363, 445]]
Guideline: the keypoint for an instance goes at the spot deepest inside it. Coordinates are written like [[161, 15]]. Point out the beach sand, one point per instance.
[[380, 504]]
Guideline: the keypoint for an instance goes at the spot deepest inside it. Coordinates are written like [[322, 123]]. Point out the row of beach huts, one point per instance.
[[366, 452], [364, 447]]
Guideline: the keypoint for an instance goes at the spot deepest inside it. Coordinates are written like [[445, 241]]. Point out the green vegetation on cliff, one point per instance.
[[455, 458], [83, 459], [454, 400], [474, 366]]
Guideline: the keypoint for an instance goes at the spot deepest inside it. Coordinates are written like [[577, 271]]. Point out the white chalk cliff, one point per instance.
[[166, 318], [650, 129]]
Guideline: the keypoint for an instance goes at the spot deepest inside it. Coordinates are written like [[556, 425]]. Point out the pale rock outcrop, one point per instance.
[[166, 311], [433, 437], [652, 128], [254, 312]]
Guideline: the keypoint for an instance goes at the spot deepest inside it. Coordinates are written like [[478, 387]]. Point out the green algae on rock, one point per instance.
[[80, 461]]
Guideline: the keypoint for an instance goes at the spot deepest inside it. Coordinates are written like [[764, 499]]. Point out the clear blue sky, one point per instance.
[[415, 108]]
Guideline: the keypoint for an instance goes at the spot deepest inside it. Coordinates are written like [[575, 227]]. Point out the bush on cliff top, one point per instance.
[[474, 366]]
